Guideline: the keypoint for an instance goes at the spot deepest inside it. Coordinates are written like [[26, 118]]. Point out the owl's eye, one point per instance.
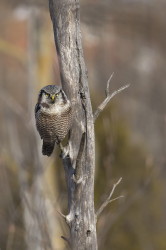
[[57, 94], [46, 95]]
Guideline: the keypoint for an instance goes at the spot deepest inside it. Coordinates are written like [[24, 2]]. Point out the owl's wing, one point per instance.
[[37, 107]]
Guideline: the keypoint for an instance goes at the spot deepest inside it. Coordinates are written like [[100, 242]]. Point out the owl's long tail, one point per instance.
[[47, 148]]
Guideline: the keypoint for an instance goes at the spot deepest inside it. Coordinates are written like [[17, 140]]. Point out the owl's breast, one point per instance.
[[54, 126], [45, 125]]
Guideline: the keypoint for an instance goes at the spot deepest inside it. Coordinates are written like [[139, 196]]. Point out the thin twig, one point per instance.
[[61, 214], [108, 97], [66, 239], [107, 91], [117, 198], [64, 217], [108, 200], [123, 209]]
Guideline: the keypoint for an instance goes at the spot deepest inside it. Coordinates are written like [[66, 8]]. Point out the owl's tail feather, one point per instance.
[[47, 148]]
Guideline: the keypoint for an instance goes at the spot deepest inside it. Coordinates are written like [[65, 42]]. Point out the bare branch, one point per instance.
[[67, 218], [66, 239], [108, 97], [61, 214], [107, 91], [80, 161], [108, 200], [117, 198]]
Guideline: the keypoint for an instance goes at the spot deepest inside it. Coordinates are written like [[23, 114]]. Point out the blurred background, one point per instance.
[[126, 37]]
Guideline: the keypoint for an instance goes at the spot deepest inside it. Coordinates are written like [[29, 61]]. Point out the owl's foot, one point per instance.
[[64, 150]]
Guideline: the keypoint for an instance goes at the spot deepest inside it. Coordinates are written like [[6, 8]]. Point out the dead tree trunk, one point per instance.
[[79, 161]]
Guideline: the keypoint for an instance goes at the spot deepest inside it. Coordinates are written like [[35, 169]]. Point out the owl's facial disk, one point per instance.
[[50, 98], [50, 101]]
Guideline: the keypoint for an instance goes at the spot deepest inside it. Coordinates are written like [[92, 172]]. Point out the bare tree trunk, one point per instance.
[[79, 163]]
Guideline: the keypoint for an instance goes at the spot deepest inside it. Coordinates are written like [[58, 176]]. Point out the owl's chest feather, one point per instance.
[[54, 125]]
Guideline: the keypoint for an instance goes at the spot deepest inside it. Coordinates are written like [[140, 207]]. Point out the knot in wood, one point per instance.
[[88, 232]]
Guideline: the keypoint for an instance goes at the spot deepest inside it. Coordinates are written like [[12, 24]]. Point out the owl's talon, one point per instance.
[[64, 151]]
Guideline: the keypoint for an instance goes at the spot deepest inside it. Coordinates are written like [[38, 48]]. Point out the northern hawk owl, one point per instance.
[[53, 116]]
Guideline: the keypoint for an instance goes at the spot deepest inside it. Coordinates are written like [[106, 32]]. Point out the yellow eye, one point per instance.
[[46, 95], [57, 94]]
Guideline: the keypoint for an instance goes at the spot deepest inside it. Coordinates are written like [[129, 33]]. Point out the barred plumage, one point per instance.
[[53, 116]]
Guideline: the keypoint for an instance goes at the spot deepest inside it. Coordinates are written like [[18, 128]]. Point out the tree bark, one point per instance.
[[79, 163]]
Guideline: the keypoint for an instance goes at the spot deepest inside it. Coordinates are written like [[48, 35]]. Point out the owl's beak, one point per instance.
[[52, 97]]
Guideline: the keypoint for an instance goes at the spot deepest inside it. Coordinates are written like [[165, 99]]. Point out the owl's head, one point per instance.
[[51, 95]]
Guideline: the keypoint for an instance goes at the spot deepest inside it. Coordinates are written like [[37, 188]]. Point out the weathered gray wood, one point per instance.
[[79, 164]]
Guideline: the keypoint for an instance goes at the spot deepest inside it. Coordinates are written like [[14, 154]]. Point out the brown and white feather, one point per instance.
[[53, 120]]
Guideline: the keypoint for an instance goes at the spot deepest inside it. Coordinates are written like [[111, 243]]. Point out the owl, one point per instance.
[[53, 114]]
